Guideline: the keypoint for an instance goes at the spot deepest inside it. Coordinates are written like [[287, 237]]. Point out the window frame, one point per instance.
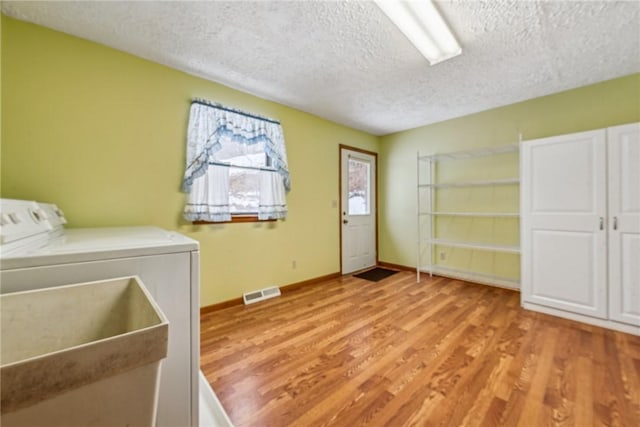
[[243, 217]]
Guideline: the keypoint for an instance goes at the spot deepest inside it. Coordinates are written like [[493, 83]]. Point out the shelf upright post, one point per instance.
[[432, 180], [418, 252]]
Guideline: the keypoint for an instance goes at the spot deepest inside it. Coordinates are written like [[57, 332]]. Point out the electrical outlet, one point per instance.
[[443, 256], [294, 264]]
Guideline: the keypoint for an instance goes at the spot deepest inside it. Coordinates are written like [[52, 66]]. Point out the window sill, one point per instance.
[[235, 219]]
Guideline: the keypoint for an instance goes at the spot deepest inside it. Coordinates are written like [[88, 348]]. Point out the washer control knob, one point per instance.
[[14, 218], [36, 216], [4, 219], [60, 214]]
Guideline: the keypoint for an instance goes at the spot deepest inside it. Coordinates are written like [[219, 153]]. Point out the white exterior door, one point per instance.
[[624, 223], [564, 230], [358, 215]]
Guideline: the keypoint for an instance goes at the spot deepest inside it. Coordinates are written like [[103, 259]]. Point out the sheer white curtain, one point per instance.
[[209, 196], [273, 204], [207, 182]]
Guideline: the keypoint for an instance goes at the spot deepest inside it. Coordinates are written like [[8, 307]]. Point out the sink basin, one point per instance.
[[83, 354]]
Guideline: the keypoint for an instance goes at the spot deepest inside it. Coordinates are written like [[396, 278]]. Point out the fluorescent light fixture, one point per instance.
[[421, 23]]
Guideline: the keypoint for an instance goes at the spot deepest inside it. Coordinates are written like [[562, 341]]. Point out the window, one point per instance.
[[246, 162], [359, 195], [236, 166]]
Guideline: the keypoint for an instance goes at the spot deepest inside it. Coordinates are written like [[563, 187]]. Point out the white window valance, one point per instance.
[[206, 177]]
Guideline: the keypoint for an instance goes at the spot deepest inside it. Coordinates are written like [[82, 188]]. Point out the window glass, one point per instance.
[[237, 154], [244, 177], [359, 195]]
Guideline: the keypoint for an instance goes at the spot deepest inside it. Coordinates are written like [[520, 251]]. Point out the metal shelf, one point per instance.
[[474, 245], [472, 276], [426, 207], [475, 214], [472, 154], [507, 181]]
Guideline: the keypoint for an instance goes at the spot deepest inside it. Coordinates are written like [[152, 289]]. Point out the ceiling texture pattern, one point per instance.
[[346, 62]]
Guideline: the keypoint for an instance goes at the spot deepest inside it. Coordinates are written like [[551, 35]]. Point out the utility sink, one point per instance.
[[84, 354]]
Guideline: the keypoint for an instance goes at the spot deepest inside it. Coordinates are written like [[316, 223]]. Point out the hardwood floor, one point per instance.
[[350, 352]]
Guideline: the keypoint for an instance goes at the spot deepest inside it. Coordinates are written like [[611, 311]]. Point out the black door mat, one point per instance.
[[375, 274]]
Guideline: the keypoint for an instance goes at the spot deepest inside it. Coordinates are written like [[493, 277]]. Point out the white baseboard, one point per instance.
[[609, 324]]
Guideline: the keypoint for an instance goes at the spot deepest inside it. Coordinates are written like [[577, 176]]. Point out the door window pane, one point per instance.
[[359, 197]]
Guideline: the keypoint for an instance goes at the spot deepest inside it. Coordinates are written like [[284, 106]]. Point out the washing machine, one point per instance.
[[37, 251]]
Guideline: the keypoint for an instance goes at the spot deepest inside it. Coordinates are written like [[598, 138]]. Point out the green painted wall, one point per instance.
[[600, 105], [102, 134]]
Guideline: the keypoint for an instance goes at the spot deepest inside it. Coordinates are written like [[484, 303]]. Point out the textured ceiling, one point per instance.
[[346, 62]]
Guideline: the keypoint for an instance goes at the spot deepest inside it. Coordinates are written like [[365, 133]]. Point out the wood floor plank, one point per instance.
[[442, 352], [584, 392]]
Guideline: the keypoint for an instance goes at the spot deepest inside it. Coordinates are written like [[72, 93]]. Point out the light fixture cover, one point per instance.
[[422, 24]]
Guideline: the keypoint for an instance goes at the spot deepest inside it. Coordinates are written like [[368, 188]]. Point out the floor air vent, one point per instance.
[[261, 295]]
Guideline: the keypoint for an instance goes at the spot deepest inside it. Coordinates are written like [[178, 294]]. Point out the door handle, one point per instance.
[[601, 223], [345, 221], [615, 222]]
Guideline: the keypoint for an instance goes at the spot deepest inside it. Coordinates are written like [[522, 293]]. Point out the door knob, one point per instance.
[[345, 221]]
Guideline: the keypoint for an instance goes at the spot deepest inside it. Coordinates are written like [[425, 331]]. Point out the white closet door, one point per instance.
[[624, 223], [563, 197]]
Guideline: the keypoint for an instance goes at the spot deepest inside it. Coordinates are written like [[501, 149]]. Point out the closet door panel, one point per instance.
[[624, 223], [563, 198], [559, 272]]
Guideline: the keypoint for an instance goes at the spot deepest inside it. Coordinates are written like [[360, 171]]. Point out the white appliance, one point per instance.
[[36, 252]]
